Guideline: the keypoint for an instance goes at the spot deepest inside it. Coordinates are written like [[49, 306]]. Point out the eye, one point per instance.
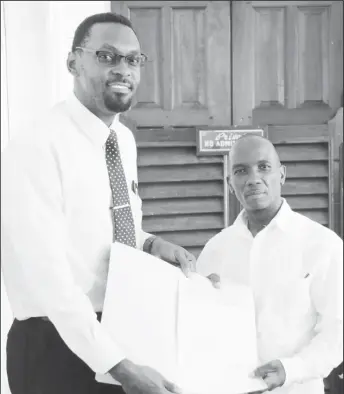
[[105, 57], [239, 171], [264, 167], [134, 60]]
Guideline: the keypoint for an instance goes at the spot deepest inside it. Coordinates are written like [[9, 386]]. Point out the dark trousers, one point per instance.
[[39, 362]]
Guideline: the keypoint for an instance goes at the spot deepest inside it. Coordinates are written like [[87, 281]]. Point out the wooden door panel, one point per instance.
[[269, 53], [287, 61], [187, 80]]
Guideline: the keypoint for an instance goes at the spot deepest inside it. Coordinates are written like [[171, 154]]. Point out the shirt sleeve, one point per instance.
[[325, 351], [209, 260], [34, 252]]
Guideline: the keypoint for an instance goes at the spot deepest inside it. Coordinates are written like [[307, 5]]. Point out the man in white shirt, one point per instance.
[[294, 267], [59, 212]]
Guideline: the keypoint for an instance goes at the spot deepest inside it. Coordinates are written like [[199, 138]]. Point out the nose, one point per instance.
[[121, 68], [253, 178]]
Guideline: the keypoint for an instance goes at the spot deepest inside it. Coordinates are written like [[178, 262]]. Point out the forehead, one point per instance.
[[251, 151], [114, 35]]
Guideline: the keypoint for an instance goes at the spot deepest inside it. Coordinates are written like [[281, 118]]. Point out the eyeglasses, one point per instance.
[[108, 58]]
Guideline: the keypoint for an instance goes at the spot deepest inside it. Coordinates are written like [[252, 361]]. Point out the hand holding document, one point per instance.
[[201, 338]]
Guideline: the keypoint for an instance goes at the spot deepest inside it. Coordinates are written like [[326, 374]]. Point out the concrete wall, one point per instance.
[[35, 39]]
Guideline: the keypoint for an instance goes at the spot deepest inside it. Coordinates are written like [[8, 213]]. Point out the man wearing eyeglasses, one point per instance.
[[69, 189]]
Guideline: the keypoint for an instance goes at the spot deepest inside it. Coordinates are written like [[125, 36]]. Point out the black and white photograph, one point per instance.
[[172, 197]]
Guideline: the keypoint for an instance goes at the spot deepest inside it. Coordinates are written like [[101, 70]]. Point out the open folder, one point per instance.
[[201, 338]]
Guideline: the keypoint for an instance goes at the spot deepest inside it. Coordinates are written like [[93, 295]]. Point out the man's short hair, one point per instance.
[[83, 31]]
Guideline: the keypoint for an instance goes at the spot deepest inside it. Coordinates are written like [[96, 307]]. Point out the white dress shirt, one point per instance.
[[295, 269], [57, 228]]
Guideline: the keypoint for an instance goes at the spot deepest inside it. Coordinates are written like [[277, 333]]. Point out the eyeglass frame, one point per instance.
[[96, 51]]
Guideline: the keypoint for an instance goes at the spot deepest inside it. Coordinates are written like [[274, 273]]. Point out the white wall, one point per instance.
[[38, 37], [35, 39]]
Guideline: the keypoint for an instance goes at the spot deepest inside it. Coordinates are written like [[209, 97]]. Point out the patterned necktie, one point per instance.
[[123, 223]]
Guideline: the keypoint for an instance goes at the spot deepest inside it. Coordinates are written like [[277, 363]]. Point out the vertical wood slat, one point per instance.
[[341, 193], [336, 55], [168, 76], [292, 58], [335, 140], [243, 63]]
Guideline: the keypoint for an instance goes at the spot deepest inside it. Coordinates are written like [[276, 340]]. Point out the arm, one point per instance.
[[157, 246], [209, 261], [34, 253], [325, 351], [170, 253]]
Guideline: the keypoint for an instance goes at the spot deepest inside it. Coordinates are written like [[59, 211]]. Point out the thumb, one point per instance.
[[172, 388], [215, 280], [262, 371], [186, 260]]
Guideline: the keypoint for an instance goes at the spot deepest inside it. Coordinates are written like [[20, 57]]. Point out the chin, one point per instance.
[[256, 204], [118, 104]]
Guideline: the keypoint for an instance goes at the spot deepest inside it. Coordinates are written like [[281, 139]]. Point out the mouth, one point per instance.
[[120, 87], [254, 193]]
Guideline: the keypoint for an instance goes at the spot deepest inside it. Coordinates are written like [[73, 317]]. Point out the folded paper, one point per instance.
[[201, 338]]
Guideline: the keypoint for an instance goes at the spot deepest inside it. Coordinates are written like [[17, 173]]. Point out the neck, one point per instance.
[[90, 105], [258, 219]]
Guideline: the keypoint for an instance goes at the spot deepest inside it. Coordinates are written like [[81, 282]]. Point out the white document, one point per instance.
[[201, 338]]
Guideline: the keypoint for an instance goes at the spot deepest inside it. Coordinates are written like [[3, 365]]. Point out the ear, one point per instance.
[[283, 172], [230, 187], [72, 64]]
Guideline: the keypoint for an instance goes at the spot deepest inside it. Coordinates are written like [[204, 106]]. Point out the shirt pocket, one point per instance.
[[290, 291]]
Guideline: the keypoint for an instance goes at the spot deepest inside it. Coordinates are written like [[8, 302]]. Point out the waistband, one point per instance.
[[46, 319]]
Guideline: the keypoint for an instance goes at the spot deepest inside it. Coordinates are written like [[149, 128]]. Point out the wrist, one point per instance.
[[148, 244], [122, 370], [294, 369]]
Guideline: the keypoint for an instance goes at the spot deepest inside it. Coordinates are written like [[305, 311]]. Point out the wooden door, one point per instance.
[[287, 61], [187, 81], [288, 78]]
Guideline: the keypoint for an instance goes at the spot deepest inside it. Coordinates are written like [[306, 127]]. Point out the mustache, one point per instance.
[[119, 79], [254, 191]]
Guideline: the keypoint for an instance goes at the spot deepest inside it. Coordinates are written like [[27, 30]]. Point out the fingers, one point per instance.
[[272, 373], [215, 280], [271, 381], [259, 392], [263, 370], [186, 260], [172, 388]]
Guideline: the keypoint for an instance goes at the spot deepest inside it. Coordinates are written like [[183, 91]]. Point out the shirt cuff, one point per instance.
[[106, 356], [143, 237], [294, 370]]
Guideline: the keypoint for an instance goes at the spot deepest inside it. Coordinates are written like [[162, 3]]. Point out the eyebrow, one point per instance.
[[246, 165], [114, 49], [238, 165]]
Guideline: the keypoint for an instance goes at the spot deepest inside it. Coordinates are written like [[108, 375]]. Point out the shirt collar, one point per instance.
[[282, 220], [95, 129]]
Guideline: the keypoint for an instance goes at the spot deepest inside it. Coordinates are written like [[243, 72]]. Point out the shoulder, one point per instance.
[[321, 247], [214, 252], [43, 129], [221, 238], [313, 232], [37, 140]]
